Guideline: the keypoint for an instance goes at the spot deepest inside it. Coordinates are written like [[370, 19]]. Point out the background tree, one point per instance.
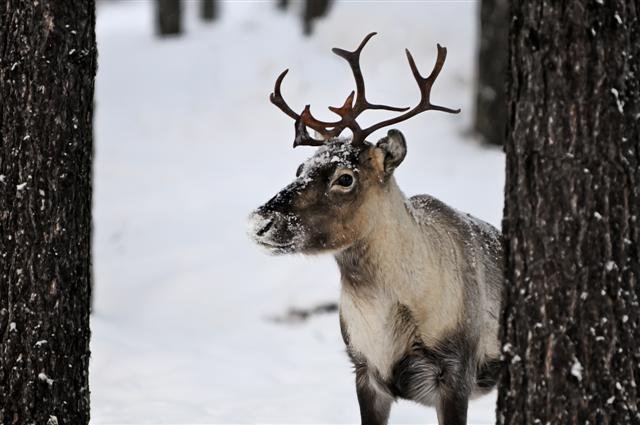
[[168, 17], [282, 4], [490, 119], [208, 10], [47, 71], [571, 323], [313, 9]]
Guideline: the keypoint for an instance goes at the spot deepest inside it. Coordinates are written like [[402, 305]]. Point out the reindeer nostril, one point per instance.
[[265, 228]]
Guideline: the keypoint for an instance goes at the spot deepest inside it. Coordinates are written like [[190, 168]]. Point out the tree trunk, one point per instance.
[[571, 318], [168, 17], [491, 104], [313, 9], [282, 4], [208, 10], [47, 71]]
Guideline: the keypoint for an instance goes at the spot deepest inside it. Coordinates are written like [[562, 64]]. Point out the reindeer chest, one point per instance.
[[382, 332], [377, 329]]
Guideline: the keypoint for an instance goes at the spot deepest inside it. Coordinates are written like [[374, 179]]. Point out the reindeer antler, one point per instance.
[[351, 109]]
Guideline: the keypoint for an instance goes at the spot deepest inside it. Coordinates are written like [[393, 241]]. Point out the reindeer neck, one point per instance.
[[401, 262], [393, 244]]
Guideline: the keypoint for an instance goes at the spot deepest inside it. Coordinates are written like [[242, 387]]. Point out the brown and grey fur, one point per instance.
[[421, 282]]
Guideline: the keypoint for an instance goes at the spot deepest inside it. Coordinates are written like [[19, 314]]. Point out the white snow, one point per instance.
[[187, 145], [44, 378], [325, 155], [619, 103], [576, 369]]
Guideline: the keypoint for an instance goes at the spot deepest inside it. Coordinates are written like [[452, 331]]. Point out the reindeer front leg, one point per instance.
[[374, 404], [452, 409]]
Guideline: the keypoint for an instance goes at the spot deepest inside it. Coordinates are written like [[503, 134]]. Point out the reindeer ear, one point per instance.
[[394, 149]]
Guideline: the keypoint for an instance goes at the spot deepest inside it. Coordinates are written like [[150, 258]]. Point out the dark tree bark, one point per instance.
[[571, 322], [208, 10], [47, 70], [168, 17], [313, 9], [491, 104]]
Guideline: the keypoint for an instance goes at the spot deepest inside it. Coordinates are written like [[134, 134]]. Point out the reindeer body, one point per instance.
[[421, 282], [419, 306]]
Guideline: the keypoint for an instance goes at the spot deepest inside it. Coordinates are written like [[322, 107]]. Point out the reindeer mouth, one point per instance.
[[273, 233], [277, 248]]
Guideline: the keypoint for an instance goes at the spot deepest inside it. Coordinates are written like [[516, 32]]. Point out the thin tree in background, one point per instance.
[[490, 119], [571, 322], [168, 17], [282, 4], [313, 9], [208, 10], [47, 71]]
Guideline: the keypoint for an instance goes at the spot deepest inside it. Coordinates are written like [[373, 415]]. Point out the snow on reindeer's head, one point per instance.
[[329, 204]]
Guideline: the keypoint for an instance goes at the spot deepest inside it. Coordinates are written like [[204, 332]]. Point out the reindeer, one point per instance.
[[421, 283]]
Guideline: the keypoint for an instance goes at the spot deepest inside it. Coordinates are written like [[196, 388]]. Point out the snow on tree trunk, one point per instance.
[[47, 71], [571, 319], [168, 17], [491, 105]]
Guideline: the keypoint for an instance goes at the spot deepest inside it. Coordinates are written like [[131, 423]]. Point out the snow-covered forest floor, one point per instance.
[[187, 145]]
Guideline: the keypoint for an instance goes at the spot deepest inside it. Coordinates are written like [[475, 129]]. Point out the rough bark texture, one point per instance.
[[47, 70], [168, 17], [491, 104], [571, 323], [313, 9], [208, 10]]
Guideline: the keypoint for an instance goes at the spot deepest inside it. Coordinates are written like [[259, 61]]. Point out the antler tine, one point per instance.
[[302, 136], [346, 106], [424, 84], [320, 126], [353, 59], [357, 102], [302, 120], [277, 99]]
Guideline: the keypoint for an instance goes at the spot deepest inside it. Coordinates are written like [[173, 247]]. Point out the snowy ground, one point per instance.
[[187, 144]]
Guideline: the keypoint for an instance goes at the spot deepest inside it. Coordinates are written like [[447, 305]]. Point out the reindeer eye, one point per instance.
[[299, 170], [345, 180]]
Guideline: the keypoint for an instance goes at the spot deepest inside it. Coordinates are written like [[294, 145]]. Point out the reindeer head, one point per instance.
[[327, 207]]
